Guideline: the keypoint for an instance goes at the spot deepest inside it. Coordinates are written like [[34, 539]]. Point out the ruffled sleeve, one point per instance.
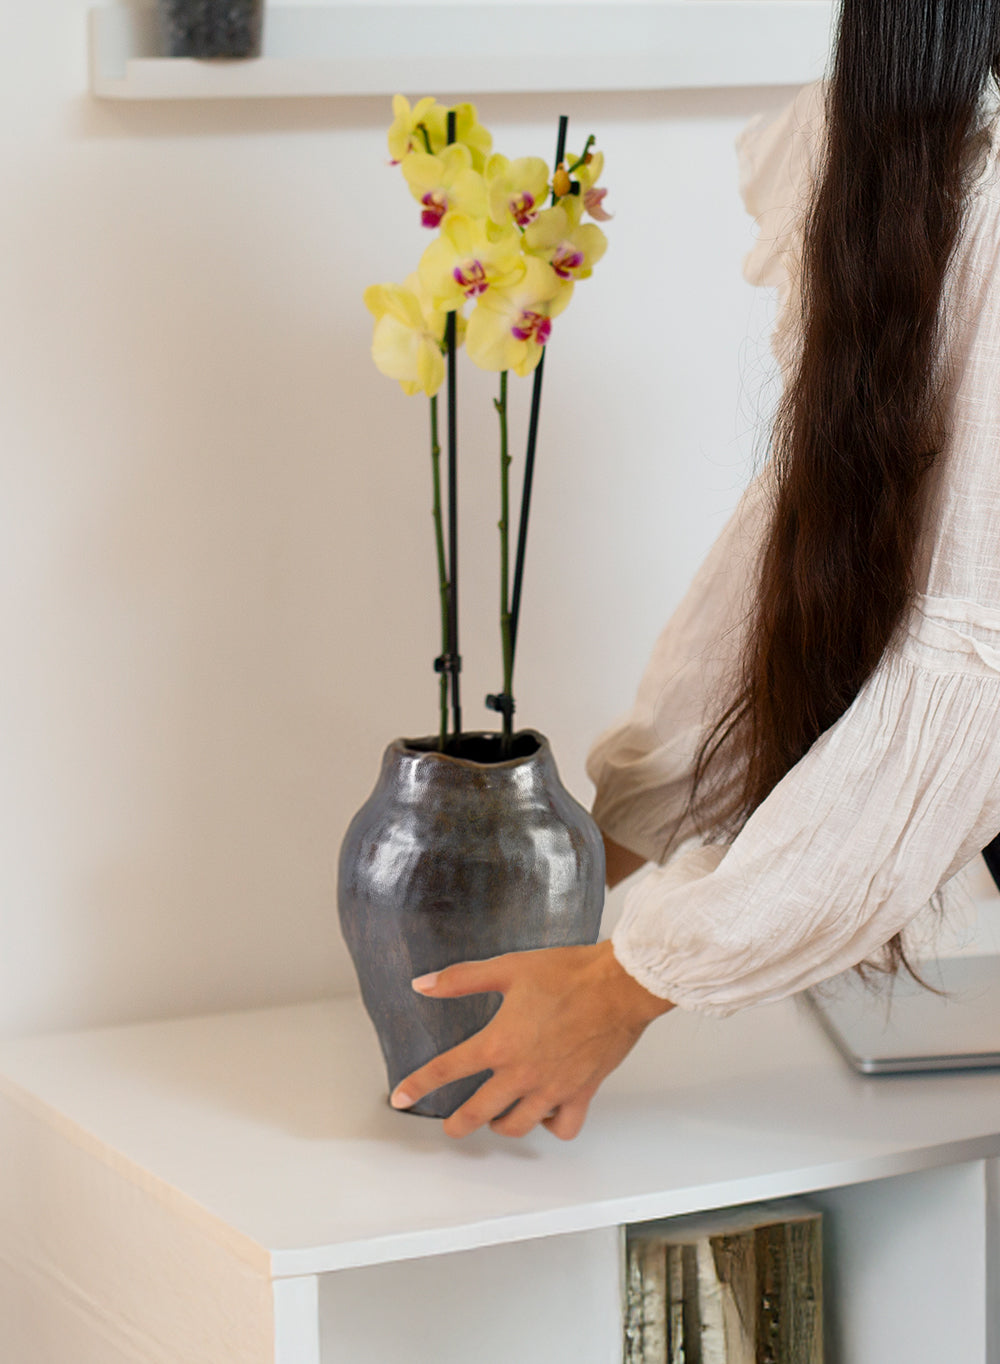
[[642, 766], [887, 805], [904, 789], [780, 156]]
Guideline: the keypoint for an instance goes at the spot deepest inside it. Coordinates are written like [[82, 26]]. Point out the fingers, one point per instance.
[[545, 1051], [524, 1116], [466, 978], [499, 1103], [473, 1055], [465, 1059], [566, 1122], [511, 1115], [489, 1100]]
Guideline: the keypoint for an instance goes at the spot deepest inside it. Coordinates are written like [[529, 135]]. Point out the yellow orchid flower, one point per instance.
[[590, 198], [510, 326], [445, 183], [470, 256], [469, 132], [424, 128], [517, 189], [407, 341], [571, 249], [405, 135]]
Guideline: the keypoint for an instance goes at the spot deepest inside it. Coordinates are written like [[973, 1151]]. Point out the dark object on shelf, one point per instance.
[[456, 857], [211, 28]]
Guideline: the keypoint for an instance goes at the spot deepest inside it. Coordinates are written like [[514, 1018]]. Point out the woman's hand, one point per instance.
[[569, 1016]]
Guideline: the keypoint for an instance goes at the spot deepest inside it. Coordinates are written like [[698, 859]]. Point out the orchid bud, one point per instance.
[[561, 183]]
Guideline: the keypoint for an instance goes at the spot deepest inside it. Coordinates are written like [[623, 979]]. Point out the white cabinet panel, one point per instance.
[[907, 1268], [553, 1299]]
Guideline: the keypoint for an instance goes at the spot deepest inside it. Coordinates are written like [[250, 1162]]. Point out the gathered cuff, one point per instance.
[[893, 800]]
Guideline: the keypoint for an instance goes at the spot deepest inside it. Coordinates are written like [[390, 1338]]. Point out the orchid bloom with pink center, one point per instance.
[[510, 326], [500, 246], [470, 256], [571, 248], [532, 326], [516, 189], [446, 183]]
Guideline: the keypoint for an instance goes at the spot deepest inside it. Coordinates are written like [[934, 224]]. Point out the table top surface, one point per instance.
[[272, 1127]]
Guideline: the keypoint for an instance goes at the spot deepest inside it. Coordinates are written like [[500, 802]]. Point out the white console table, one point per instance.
[[234, 1189]]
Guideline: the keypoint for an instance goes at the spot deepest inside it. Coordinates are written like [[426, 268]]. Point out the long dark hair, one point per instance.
[[862, 419]]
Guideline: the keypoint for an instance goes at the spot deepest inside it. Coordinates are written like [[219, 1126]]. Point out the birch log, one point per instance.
[[736, 1287]]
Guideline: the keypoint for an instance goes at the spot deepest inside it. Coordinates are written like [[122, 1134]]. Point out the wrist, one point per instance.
[[633, 999]]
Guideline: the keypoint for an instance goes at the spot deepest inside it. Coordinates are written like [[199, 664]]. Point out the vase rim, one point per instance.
[[414, 748]]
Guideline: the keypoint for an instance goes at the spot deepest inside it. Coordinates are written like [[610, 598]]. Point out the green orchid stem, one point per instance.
[[506, 638], [444, 589], [529, 459], [522, 533], [583, 158]]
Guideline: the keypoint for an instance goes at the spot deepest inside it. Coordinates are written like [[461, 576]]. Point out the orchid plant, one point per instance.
[[510, 245]]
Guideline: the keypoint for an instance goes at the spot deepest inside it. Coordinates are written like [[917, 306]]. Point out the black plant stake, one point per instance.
[[454, 660], [504, 701], [444, 591]]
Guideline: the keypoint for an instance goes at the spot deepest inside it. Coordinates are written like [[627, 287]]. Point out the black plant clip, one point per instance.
[[502, 702], [448, 663]]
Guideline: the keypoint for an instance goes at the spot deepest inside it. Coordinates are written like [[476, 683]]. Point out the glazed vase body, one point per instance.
[[456, 859]]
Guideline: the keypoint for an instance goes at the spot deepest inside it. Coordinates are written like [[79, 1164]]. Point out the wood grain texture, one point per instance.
[[648, 1295]]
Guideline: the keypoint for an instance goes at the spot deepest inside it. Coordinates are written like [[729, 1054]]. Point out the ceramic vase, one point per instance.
[[457, 858]]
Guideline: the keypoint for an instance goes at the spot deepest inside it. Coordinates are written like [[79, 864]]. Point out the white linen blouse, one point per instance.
[[904, 790]]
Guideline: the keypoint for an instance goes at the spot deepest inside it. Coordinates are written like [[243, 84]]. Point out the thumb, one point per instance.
[[465, 978]]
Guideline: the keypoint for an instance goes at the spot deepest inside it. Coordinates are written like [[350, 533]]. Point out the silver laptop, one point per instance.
[[897, 1028]]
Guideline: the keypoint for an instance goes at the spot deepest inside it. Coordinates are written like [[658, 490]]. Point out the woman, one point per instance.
[[807, 765]]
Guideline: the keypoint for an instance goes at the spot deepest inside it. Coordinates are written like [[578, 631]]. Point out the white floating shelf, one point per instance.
[[373, 49]]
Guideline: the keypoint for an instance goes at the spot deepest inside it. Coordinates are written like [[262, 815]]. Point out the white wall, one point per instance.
[[218, 597]]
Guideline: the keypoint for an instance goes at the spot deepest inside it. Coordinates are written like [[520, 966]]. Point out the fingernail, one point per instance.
[[400, 1099], [425, 982]]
